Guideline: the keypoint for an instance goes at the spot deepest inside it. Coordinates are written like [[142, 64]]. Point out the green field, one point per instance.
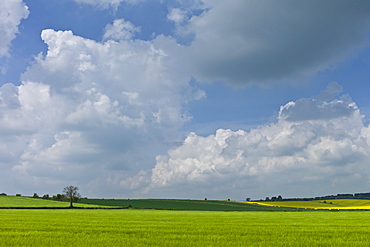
[[337, 204], [172, 204], [20, 201], [197, 205], [75, 227]]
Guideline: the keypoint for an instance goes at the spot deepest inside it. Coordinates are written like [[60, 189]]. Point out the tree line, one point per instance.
[[327, 197]]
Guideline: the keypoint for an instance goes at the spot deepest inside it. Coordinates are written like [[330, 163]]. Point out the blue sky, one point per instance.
[[186, 99]]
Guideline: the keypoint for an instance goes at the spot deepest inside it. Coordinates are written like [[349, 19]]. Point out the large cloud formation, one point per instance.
[[11, 14], [316, 147], [91, 112], [97, 114], [252, 41]]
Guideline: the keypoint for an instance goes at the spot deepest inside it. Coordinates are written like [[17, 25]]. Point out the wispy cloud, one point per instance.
[[120, 30]]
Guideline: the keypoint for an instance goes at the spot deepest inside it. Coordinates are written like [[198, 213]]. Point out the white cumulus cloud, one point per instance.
[[92, 113], [11, 14], [120, 30], [324, 152]]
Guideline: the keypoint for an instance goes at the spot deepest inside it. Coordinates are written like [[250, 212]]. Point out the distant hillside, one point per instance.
[[327, 197], [335, 204], [174, 204], [27, 202]]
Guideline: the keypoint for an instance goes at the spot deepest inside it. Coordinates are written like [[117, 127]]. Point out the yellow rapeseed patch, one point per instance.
[[344, 204]]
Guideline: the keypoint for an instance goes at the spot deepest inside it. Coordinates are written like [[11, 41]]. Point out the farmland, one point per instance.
[[18, 201], [204, 223], [132, 227], [338, 204], [173, 204], [196, 205], [209, 205]]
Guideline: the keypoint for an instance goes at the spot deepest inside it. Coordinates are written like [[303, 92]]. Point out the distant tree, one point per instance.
[[267, 199], [35, 195], [3, 194], [46, 196], [18, 194], [247, 199], [58, 197], [71, 193], [279, 198]]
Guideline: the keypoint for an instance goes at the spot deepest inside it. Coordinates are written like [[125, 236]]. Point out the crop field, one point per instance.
[[170, 204], [338, 204], [132, 227], [173, 204], [20, 201]]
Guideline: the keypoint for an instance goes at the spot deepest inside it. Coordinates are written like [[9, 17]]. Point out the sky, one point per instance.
[[185, 99]]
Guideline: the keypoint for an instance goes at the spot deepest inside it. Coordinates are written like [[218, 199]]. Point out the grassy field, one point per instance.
[[341, 204], [198, 205], [19, 201], [172, 204], [133, 227]]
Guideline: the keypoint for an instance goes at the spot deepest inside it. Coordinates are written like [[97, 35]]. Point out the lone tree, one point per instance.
[[71, 192]]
